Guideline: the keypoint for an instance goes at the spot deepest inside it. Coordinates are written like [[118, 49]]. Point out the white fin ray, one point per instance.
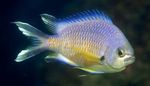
[[90, 70], [29, 30], [28, 53], [60, 58], [39, 40], [50, 22]]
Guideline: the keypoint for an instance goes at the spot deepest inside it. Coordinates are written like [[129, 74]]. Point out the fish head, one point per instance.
[[121, 56]]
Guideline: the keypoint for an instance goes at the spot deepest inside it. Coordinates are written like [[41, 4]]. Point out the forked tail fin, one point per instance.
[[39, 40]]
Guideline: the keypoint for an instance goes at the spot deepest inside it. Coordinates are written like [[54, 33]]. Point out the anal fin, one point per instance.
[[90, 70], [60, 58]]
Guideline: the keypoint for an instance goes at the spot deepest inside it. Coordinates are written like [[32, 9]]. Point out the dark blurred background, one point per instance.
[[131, 16]]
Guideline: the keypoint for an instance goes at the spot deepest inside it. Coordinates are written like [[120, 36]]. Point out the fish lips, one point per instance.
[[129, 60]]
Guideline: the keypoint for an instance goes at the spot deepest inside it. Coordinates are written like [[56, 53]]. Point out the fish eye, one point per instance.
[[102, 58], [121, 52]]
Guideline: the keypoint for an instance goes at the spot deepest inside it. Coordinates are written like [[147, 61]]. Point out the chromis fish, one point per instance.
[[88, 40]]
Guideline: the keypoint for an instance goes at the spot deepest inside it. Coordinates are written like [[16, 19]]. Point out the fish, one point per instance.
[[87, 40]]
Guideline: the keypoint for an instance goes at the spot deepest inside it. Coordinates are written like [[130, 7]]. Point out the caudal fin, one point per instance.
[[39, 39]]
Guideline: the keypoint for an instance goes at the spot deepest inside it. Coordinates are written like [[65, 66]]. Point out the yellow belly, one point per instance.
[[84, 53]]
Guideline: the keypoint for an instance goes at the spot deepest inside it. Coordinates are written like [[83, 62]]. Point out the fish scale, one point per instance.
[[77, 37]]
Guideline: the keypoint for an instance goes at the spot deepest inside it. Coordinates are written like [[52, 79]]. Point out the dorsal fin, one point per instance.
[[84, 16], [50, 22], [87, 15]]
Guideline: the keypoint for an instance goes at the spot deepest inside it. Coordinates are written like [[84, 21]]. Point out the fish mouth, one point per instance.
[[129, 60]]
